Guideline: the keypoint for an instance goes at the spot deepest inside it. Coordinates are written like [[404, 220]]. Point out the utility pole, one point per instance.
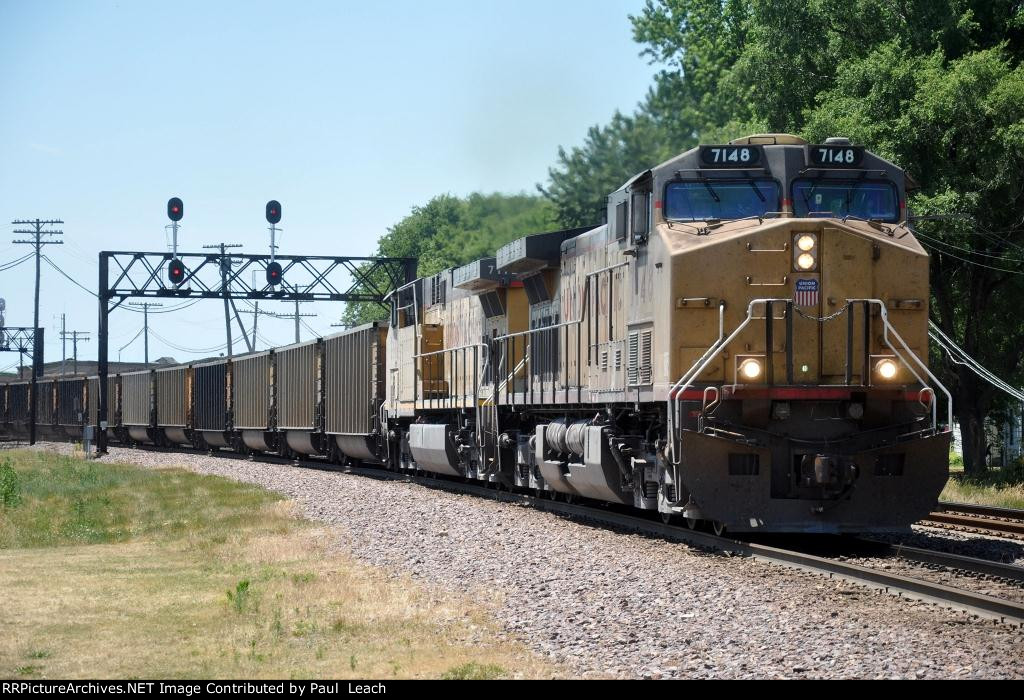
[[296, 316], [146, 305], [63, 343], [229, 304], [37, 241], [298, 336], [75, 337], [255, 323]]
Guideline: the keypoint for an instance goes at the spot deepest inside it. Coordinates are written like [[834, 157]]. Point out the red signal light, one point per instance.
[[175, 209], [274, 273], [273, 212], [176, 272]]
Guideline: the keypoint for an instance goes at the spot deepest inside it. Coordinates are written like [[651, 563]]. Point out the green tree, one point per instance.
[[449, 231], [579, 185]]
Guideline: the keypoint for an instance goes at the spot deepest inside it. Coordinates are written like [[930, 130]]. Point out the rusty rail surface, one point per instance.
[[969, 516]]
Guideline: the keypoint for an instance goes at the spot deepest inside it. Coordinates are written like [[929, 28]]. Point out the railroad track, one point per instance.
[[984, 606], [982, 519]]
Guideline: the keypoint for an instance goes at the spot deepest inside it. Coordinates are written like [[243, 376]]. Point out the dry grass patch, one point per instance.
[[1002, 495], [240, 588]]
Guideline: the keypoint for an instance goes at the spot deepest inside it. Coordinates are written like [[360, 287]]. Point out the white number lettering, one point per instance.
[[733, 156], [745, 155], [841, 156], [717, 153]]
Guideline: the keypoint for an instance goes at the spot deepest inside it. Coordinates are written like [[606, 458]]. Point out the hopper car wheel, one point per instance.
[[668, 518], [718, 527], [692, 523]]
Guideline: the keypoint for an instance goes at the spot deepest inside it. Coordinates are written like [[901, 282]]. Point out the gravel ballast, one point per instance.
[[606, 603]]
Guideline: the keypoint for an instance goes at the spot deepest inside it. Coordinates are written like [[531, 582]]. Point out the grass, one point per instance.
[[473, 672], [1002, 487], [111, 571]]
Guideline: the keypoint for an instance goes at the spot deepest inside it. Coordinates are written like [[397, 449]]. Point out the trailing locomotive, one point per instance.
[[744, 342]]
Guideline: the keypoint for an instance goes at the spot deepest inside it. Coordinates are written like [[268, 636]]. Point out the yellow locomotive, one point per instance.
[[744, 342]]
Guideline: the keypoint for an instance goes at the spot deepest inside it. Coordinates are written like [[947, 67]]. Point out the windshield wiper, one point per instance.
[[807, 196], [849, 193], [757, 191], [711, 191]]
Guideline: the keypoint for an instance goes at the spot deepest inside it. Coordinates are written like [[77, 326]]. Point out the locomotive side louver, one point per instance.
[[536, 289], [645, 356], [633, 366], [639, 369], [491, 304]]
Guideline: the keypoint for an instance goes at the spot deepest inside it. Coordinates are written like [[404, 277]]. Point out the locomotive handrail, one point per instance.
[[677, 391], [511, 376], [476, 379], [887, 328], [679, 388], [928, 391]]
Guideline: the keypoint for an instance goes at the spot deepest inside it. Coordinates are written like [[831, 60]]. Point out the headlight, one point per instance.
[[805, 242], [750, 369], [805, 261], [886, 369]]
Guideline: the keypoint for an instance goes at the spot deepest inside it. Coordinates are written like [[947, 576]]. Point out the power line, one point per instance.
[[75, 337], [972, 262], [132, 340], [15, 263], [71, 279], [184, 349], [938, 241], [49, 261], [146, 306], [954, 351]]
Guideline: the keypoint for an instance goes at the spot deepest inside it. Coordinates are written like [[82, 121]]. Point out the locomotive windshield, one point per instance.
[[866, 199], [702, 200]]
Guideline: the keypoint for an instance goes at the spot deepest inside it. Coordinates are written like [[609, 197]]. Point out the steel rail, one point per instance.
[[950, 560], [990, 511], [1010, 527]]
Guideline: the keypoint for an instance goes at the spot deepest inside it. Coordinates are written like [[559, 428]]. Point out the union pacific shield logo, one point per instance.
[[806, 292]]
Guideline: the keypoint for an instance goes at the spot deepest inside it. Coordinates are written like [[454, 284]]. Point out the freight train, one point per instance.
[[742, 345]]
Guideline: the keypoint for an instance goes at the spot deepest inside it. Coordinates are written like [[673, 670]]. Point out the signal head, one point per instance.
[[274, 211], [176, 271], [175, 209], [274, 273]]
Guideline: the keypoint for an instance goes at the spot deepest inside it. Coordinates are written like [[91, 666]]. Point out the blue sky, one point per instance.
[[348, 113]]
